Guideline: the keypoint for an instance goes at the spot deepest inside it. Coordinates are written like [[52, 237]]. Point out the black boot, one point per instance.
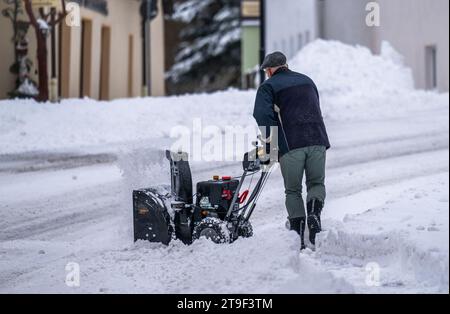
[[298, 224], [314, 208]]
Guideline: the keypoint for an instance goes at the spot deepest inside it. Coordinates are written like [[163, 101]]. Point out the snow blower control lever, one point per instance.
[[220, 212]]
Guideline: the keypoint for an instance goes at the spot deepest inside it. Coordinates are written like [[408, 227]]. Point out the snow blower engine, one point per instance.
[[221, 211]]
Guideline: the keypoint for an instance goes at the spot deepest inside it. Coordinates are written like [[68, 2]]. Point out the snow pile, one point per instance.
[[340, 69], [355, 84]]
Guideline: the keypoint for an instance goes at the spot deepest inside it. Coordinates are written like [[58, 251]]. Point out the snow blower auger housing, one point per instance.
[[221, 212]]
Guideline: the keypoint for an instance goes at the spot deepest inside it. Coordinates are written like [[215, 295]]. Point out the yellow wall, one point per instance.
[[6, 55], [124, 19], [158, 52]]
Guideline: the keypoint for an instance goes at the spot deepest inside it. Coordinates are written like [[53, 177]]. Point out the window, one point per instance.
[[100, 6], [431, 67]]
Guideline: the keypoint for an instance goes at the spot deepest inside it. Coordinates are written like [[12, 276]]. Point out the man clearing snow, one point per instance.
[[290, 102]]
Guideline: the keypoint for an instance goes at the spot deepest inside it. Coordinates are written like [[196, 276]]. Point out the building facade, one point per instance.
[[102, 58], [418, 29]]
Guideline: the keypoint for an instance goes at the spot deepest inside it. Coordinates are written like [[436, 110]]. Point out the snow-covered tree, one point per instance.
[[42, 24], [25, 87], [208, 57]]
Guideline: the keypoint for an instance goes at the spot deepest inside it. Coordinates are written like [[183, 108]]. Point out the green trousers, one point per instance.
[[311, 162]]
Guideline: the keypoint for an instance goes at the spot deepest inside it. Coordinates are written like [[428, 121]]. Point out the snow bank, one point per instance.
[[406, 236], [354, 85], [340, 69], [74, 123]]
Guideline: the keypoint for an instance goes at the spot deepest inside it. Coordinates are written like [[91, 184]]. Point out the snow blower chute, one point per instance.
[[221, 211]]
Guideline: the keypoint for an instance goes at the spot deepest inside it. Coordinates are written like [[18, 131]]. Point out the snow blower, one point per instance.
[[221, 212]]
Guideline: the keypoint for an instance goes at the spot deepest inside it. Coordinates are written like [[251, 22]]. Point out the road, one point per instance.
[[57, 208]]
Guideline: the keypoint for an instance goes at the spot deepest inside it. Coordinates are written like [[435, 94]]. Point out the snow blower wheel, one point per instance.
[[220, 211], [245, 230], [212, 229]]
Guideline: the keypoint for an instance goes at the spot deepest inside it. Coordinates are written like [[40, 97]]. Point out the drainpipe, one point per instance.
[[145, 9], [149, 58], [54, 79], [149, 10], [262, 38], [144, 91]]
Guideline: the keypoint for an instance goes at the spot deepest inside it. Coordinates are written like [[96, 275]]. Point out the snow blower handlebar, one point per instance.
[[251, 164], [235, 196], [246, 211]]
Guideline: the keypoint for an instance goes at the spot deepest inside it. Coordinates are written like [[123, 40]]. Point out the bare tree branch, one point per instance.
[[44, 16], [61, 15], [63, 3], [29, 10]]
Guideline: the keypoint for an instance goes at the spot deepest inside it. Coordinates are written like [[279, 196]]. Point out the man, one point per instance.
[[290, 102]]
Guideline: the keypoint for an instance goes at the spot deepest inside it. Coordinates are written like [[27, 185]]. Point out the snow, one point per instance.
[[217, 29], [214, 44], [339, 68], [186, 11], [64, 199], [411, 244], [226, 13], [43, 25], [28, 88], [355, 84]]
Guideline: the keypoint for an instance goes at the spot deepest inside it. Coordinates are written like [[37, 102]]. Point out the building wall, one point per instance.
[[123, 20], [290, 24], [345, 20], [409, 25], [158, 53], [250, 47], [6, 55], [412, 25]]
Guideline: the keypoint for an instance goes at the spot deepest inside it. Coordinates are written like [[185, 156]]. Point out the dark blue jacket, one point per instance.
[[297, 97]]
